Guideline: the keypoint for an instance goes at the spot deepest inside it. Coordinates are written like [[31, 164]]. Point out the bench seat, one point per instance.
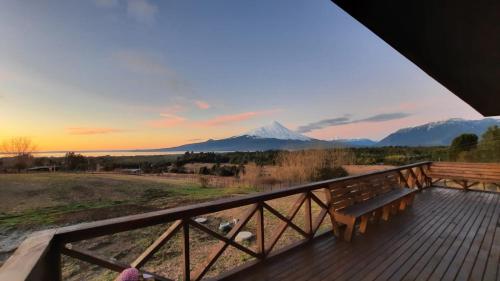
[[375, 203], [383, 204]]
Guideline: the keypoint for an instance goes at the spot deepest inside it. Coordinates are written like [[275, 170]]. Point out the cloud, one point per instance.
[[347, 120], [232, 118], [106, 3], [167, 120], [385, 117], [91, 131], [201, 104], [142, 11]]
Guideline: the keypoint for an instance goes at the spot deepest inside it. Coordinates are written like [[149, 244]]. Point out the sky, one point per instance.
[[120, 74]]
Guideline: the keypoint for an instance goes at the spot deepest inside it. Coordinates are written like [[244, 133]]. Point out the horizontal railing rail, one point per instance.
[[46, 263], [465, 175]]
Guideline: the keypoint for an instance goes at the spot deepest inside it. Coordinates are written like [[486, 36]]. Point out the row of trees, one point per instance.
[[466, 147], [469, 147]]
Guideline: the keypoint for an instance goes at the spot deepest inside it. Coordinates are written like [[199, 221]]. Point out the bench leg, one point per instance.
[[349, 230], [335, 225], [363, 224], [402, 204]]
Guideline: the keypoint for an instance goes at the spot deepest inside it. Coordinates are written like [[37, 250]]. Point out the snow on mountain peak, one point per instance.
[[276, 131]]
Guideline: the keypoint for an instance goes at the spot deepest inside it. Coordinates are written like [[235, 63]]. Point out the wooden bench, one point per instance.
[[465, 174], [376, 197]]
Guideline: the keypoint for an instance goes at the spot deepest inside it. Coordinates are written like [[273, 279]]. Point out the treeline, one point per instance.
[[472, 148], [258, 157], [466, 147], [399, 155]]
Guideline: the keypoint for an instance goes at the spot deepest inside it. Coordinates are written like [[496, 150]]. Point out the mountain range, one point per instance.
[[437, 133], [277, 136]]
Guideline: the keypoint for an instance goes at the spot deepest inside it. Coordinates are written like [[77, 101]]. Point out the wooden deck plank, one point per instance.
[[447, 234], [486, 247], [343, 259], [405, 245], [374, 258], [460, 241], [469, 258], [332, 254], [494, 258], [419, 260], [410, 258]]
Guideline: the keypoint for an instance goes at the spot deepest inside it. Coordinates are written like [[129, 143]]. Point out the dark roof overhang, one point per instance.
[[456, 42]]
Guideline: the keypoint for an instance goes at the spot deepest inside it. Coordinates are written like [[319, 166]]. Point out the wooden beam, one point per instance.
[[260, 232], [110, 264], [223, 238], [403, 179], [87, 256], [415, 177], [287, 221], [203, 269], [37, 258], [185, 251], [110, 226], [169, 233], [308, 216], [335, 226]]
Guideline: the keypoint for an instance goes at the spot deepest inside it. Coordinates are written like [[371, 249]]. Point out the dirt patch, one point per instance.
[[355, 170], [103, 213]]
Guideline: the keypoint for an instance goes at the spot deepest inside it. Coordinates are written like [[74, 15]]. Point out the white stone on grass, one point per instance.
[[225, 226], [244, 236], [200, 220]]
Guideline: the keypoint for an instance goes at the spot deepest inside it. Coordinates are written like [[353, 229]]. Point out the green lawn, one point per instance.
[[37, 200]]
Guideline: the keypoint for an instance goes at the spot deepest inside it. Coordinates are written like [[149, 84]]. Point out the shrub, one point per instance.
[[312, 165], [464, 142]]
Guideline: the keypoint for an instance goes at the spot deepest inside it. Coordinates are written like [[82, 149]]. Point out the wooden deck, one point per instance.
[[447, 235]]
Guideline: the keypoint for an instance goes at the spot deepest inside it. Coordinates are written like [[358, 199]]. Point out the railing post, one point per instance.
[[261, 249], [308, 215], [185, 251]]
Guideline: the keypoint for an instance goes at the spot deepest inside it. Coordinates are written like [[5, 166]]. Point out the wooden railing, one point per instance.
[[465, 175], [39, 257]]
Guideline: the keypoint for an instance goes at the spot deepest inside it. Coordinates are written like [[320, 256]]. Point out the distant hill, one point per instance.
[[273, 136], [437, 133], [276, 136], [357, 142]]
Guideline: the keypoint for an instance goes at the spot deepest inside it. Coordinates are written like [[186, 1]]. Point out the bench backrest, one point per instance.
[[351, 192], [480, 172]]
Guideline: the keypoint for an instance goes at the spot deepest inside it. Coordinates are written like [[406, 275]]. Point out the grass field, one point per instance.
[[31, 200], [37, 201]]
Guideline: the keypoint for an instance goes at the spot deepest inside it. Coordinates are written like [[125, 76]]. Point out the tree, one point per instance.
[[489, 145], [75, 162], [461, 144], [22, 149]]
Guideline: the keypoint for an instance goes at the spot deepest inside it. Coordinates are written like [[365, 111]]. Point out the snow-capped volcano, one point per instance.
[[276, 131]]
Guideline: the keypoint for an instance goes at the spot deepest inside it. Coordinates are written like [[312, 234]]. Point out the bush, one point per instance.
[[326, 173], [312, 165], [462, 143]]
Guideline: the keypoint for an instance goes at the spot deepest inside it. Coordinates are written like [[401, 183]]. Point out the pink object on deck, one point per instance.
[[129, 274]]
